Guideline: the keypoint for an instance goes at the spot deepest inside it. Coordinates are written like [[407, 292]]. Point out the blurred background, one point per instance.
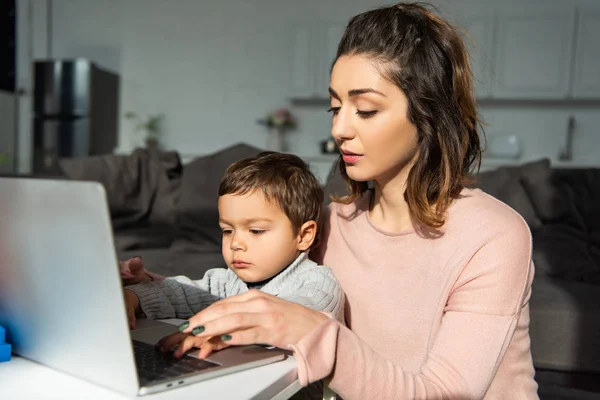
[[206, 71], [164, 93]]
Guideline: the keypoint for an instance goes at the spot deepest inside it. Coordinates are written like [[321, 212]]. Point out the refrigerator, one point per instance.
[[75, 112]]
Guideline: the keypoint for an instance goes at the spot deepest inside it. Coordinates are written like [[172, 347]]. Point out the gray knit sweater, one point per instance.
[[303, 282]]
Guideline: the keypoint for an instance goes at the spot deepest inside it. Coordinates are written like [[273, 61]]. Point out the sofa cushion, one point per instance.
[[583, 187], [197, 218], [141, 187], [144, 237], [550, 201], [506, 184], [565, 325], [565, 245], [561, 250]]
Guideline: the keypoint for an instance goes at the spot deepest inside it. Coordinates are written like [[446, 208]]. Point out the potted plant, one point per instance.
[[278, 122], [151, 125]]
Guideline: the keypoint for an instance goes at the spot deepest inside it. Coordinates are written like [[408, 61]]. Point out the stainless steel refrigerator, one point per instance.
[[76, 111]]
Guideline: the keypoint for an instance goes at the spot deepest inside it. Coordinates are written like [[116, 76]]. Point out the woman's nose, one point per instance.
[[341, 127]]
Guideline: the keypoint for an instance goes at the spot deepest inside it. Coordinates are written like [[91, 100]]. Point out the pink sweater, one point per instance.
[[427, 318]]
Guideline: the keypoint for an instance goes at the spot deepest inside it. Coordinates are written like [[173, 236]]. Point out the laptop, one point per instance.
[[61, 295]]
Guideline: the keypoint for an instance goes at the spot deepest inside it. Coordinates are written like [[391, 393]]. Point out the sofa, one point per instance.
[[166, 213], [562, 209]]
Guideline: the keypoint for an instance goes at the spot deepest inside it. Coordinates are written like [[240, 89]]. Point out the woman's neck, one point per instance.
[[389, 210]]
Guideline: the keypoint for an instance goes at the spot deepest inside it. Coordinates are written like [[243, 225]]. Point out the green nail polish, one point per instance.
[[225, 337], [198, 330], [184, 326]]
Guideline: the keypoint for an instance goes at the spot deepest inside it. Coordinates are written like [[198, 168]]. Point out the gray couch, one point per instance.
[[161, 210], [562, 208], [166, 213]]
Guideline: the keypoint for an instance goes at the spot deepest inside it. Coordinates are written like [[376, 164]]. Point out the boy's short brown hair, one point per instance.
[[285, 179]]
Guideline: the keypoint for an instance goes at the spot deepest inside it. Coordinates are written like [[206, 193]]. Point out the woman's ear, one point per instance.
[[306, 235]]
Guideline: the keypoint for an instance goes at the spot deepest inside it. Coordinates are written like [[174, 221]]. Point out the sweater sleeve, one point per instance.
[[480, 318], [181, 297], [318, 289]]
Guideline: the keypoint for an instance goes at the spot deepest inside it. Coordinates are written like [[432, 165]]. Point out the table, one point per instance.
[[24, 379]]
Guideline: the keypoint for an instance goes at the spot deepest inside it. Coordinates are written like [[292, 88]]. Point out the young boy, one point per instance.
[[269, 212]]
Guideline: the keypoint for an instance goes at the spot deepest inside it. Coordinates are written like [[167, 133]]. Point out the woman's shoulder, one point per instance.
[[478, 212]]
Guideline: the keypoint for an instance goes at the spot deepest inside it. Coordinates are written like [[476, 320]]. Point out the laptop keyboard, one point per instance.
[[153, 365]]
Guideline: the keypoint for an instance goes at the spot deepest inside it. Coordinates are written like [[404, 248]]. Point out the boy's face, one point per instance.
[[258, 238]]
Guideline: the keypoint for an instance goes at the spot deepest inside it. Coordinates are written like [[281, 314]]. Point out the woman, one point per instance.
[[437, 276]]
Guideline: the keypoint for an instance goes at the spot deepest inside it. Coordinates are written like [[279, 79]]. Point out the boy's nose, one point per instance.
[[237, 244]]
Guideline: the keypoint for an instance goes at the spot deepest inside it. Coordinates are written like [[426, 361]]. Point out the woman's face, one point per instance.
[[370, 121]]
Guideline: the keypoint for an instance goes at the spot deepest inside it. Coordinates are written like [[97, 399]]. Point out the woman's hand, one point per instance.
[[186, 341], [254, 318]]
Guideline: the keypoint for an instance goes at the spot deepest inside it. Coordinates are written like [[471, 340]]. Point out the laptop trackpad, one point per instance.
[[150, 332]]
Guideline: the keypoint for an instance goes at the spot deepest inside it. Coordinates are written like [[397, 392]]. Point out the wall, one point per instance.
[[214, 67]]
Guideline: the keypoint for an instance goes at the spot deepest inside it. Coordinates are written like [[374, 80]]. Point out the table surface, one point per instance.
[[24, 379]]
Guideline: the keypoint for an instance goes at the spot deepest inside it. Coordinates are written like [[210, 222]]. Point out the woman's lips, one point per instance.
[[350, 158]]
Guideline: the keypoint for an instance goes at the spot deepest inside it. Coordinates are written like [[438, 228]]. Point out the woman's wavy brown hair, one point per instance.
[[426, 58]]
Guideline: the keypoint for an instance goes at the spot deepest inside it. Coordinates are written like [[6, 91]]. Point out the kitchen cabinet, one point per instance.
[[586, 67], [533, 54], [313, 49]]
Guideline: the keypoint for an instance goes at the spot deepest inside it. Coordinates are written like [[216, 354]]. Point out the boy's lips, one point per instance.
[[240, 264]]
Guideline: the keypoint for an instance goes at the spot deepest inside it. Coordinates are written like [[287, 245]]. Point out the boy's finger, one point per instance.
[[131, 317], [189, 343], [136, 265], [126, 275], [168, 342], [206, 349]]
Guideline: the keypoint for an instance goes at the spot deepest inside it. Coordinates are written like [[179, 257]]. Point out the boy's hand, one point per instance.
[[187, 341], [133, 271], [132, 305]]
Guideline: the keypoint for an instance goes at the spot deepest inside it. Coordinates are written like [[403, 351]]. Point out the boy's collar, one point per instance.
[[281, 274]]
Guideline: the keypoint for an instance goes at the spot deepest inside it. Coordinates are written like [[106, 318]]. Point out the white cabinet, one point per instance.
[[517, 53], [301, 80], [313, 48], [586, 74], [479, 41], [533, 55]]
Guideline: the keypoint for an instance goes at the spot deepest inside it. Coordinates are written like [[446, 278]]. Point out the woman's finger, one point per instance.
[[235, 322], [252, 335], [255, 304]]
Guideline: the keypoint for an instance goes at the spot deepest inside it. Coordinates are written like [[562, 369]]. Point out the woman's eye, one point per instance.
[[257, 231], [334, 110], [366, 114]]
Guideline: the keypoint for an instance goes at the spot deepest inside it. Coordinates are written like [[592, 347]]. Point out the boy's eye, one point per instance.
[[226, 232], [257, 231]]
